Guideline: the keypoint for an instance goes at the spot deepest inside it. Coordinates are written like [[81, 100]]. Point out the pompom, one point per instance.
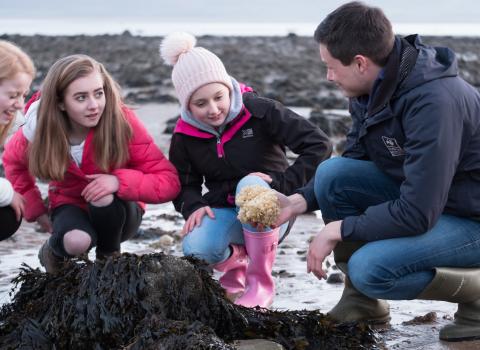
[[173, 45], [257, 204]]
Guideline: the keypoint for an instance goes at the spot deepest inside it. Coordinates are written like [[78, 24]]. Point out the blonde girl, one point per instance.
[[16, 74]]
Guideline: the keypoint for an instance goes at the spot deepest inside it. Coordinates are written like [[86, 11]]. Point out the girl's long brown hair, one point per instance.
[[49, 153], [12, 61]]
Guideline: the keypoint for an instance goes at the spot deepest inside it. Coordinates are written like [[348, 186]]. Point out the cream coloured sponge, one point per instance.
[[257, 204]]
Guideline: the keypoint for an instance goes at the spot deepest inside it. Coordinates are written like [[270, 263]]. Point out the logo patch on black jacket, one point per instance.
[[393, 147], [247, 133]]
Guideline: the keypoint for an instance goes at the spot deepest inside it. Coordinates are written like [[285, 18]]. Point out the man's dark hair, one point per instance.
[[356, 29]]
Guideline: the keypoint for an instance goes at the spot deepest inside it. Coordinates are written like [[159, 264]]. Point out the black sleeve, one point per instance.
[[303, 138], [308, 193], [190, 196]]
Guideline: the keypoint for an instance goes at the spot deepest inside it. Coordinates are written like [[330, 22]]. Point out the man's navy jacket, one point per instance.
[[422, 128]]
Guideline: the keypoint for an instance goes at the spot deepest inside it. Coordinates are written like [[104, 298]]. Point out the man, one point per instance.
[[402, 203]]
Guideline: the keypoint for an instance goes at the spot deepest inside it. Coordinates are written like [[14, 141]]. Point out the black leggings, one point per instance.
[[8, 222], [107, 226]]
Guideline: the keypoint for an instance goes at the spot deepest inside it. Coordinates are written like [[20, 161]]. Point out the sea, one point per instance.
[[151, 27]]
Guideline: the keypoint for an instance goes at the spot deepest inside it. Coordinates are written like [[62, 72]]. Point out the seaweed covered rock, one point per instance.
[[152, 301]]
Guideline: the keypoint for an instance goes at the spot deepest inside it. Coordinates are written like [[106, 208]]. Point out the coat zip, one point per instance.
[[219, 148]]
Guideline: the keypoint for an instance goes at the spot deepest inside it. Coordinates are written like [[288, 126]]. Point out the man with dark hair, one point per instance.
[[402, 205]]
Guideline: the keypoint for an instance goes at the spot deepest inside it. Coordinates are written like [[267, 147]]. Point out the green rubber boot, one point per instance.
[[353, 305], [462, 286]]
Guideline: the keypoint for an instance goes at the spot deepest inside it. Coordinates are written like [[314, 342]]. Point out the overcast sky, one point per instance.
[[239, 10]]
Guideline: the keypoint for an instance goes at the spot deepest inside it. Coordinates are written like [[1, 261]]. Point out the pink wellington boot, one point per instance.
[[261, 249], [234, 268]]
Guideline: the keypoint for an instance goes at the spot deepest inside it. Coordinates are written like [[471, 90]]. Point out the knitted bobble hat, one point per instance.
[[193, 66]]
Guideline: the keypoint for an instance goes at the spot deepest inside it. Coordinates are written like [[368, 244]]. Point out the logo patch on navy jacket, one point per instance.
[[393, 147], [247, 133]]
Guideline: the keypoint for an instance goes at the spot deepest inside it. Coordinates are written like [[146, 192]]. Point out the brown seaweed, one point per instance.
[[152, 301]]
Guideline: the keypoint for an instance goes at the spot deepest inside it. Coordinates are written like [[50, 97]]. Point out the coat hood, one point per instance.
[[432, 63]]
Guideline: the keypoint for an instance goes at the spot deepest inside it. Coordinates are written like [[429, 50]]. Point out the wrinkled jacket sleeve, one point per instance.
[[303, 138], [190, 197], [16, 170], [148, 177], [432, 146]]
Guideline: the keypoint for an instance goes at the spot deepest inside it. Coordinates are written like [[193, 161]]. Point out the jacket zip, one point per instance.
[[220, 151]]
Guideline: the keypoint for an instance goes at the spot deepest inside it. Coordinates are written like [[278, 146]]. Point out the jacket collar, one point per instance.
[[189, 126], [400, 63]]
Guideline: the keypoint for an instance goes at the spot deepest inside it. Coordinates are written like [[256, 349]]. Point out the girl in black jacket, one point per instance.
[[227, 138]]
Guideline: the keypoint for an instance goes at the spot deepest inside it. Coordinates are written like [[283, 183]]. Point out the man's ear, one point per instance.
[[362, 63]]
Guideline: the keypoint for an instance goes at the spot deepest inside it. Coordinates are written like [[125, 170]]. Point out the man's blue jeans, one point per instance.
[[398, 268], [210, 241]]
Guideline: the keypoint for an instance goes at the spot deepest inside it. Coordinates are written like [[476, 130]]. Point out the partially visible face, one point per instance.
[[84, 102], [12, 96], [210, 104], [347, 78]]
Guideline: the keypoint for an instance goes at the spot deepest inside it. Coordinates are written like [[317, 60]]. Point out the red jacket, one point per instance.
[[147, 177]]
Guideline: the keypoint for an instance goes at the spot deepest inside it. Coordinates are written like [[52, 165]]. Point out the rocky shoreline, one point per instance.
[[286, 68]]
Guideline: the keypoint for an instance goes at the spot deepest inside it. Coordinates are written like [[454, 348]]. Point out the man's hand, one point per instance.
[[290, 207], [195, 219], [321, 247]]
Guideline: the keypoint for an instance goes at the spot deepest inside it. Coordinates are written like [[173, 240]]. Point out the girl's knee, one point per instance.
[[250, 180], [76, 242], [104, 201], [210, 254]]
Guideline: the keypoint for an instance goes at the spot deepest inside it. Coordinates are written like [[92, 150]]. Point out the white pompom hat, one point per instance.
[[193, 66]]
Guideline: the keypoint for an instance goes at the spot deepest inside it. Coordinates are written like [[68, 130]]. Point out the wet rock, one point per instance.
[[332, 124], [283, 274], [430, 317], [285, 68], [149, 95], [286, 245], [151, 233], [165, 242], [336, 278], [171, 125], [257, 344], [170, 217]]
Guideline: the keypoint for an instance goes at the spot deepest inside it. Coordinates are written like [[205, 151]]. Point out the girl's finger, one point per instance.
[[210, 213]]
